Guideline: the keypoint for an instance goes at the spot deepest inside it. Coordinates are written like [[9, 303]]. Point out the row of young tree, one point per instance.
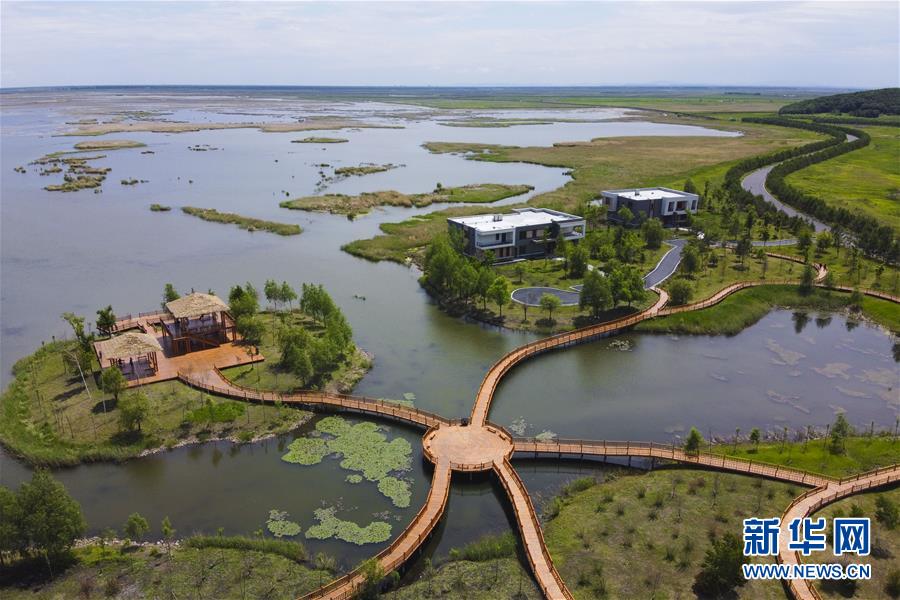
[[457, 280], [872, 237]]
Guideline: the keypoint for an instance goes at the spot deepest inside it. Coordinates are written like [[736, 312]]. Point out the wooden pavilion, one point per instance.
[[196, 322], [133, 352]]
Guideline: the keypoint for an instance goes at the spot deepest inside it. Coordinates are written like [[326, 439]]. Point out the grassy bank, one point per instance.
[[660, 522], [865, 180], [363, 203], [366, 169], [853, 269], [248, 223], [189, 572], [744, 308], [48, 416], [862, 454]]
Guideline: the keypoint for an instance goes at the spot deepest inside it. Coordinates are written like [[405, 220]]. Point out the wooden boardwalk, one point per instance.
[[808, 503], [481, 446], [530, 447]]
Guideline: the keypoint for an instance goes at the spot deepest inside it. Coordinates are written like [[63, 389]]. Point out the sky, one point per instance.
[[806, 44]]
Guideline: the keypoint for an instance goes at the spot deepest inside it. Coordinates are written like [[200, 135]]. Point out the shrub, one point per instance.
[[291, 550]]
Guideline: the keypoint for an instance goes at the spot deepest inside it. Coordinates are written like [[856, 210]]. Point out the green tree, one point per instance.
[[520, 271], [373, 574], [287, 294], [755, 437], [625, 215], [562, 250], [549, 303], [112, 381], [133, 411], [499, 293], [136, 527], [483, 282], [294, 344], [578, 261], [106, 320], [721, 571], [886, 512], [169, 294], [629, 247], [595, 294], [690, 188], [272, 292], [693, 441], [10, 515], [804, 240], [824, 241], [840, 431], [251, 328], [50, 519], [690, 259], [743, 248], [680, 292], [243, 301], [168, 533], [807, 280], [653, 233]]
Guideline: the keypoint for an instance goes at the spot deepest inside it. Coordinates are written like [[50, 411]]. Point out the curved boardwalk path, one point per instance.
[[808, 503], [479, 446]]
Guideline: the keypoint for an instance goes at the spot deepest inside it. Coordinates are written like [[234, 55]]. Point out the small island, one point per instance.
[[320, 140], [363, 203], [108, 145], [247, 223]]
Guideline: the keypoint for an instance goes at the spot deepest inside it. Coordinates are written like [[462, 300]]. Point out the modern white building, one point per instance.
[[524, 233], [668, 205]]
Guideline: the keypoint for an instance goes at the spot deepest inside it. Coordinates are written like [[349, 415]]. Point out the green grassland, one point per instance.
[[247, 223], [149, 572], [744, 308], [471, 580], [885, 542], [608, 163], [645, 535], [852, 269], [483, 193], [865, 180], [601, 164], [862, 453]]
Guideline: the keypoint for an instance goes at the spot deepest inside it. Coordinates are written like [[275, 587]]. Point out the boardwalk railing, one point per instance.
[[392, 557], [802, 589], [563, 446], [130, 321], [506, 468], [376, 406]]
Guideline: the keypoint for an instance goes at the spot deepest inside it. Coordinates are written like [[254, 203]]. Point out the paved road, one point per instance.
[[667, 264], [755, 183]]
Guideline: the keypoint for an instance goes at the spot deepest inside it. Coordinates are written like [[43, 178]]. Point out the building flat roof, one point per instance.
[[520, 217], [655, 193]]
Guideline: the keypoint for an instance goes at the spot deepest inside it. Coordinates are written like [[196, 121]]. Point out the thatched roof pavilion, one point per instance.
[[131, 347], [195, 305], [195, 322]]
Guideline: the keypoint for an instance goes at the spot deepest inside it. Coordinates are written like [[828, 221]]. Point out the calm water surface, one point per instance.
[[81, 251]]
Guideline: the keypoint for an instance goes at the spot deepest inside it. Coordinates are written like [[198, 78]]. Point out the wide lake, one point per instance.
[[81, 251]]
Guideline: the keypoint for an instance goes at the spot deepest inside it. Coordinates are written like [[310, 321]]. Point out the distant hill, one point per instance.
[[859, 104]]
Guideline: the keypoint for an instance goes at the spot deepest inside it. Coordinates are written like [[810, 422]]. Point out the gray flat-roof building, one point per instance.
[[668, 205], [523, 233]]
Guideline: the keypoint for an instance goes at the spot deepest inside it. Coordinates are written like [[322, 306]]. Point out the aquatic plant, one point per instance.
[[279, 525], [354, 478], [364, 449], [307, 451], [395, 489], [330, 526]]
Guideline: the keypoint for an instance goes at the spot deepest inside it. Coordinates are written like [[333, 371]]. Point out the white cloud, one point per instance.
[[759, 43]]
